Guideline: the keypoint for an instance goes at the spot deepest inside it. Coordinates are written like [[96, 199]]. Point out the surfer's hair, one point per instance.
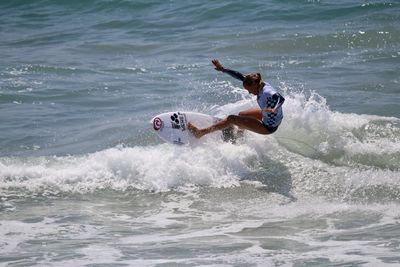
[[252, 78]]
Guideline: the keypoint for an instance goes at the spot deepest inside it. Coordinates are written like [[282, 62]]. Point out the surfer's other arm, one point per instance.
[[233, 73], [279, 102]]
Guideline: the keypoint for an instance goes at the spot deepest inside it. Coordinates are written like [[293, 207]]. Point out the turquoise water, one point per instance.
[[85, 182]]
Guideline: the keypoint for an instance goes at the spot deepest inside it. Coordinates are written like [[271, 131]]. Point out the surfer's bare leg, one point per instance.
[[222, 124], [244, 122], [253, 112]]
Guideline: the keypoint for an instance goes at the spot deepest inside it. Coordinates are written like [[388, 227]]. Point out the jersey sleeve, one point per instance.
[[234, 74], [280, 100], [274, 101]]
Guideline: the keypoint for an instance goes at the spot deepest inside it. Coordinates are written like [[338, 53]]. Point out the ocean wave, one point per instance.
[[312, 129], [315, 148], [155, 168]]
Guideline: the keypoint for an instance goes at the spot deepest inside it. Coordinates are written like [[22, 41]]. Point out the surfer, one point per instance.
[[262, 120]]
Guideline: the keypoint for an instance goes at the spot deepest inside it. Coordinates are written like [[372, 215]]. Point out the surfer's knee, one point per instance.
[[231, 118]]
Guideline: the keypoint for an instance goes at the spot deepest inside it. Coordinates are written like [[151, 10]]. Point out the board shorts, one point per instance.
[[271, 129]]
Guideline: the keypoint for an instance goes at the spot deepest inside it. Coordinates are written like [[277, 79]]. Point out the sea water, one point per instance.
[[85, 182]]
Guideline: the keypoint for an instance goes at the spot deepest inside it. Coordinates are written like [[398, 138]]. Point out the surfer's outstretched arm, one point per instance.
[[233, 73]]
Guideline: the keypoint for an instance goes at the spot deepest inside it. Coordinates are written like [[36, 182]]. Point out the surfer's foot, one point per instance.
[[194, 130]]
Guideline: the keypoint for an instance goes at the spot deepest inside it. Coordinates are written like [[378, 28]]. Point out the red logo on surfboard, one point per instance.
[[157, 124]]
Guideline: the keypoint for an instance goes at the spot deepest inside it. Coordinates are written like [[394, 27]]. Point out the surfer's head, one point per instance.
[[252, 83]]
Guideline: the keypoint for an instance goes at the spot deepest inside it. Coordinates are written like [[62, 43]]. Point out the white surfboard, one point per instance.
[[172, 126]]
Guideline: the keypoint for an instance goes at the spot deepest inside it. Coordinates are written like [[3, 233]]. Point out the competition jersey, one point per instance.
[[269, 98]]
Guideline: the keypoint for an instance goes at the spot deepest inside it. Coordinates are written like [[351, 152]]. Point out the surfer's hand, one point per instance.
[[217, 64], [272, 110]]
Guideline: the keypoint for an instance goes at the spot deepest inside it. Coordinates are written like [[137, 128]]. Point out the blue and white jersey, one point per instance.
[[269, 98]]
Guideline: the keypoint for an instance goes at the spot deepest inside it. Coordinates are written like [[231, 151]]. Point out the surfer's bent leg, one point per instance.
[[222, 124], [248, 123], [253, 112]]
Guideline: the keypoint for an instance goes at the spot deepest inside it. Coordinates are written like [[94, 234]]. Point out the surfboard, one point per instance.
[[172, 127]]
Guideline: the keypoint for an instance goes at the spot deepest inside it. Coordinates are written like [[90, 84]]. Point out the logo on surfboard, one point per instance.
[[158, 124], [178, 121]]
